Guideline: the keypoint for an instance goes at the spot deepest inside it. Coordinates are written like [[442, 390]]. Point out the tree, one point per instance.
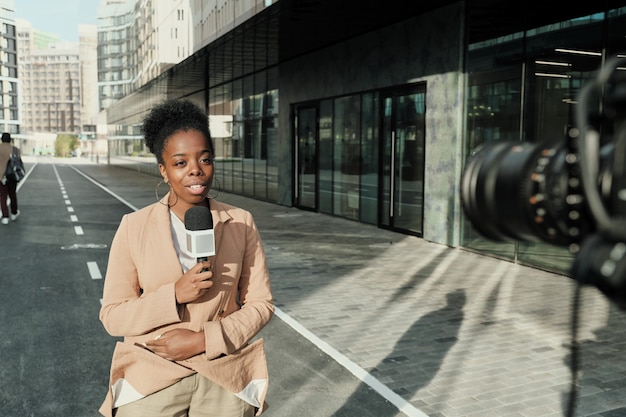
[[64, 145]]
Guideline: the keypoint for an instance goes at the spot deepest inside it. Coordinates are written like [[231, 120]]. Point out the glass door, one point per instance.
[[402, 140], [306, 158]]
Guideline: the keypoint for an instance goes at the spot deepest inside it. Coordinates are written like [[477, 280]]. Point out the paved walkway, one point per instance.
[[452, 333]]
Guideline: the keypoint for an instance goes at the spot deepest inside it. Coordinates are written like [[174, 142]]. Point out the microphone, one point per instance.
[[200, 235]]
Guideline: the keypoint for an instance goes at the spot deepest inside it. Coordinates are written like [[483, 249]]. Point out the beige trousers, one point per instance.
[[194, 396]]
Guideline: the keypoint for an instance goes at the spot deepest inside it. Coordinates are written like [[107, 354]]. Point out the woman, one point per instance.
[[8, 188], [186, 324]]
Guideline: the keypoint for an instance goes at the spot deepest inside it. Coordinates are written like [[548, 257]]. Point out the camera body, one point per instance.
[[572, 194]]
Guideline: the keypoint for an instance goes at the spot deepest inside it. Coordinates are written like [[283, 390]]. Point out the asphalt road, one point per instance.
[[54, 352]]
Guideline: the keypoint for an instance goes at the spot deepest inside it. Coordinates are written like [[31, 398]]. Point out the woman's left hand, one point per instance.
[[177, 344]]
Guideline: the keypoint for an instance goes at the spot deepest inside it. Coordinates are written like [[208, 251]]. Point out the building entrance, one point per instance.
[[362, 157]]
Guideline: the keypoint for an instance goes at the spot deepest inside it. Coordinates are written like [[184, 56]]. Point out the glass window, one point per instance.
[[346, 156], [248, 137], [243, 118], [326, 157], [560, 60], [493, 112], [548, 64], [369, 159], [616, 39], [271, 131]]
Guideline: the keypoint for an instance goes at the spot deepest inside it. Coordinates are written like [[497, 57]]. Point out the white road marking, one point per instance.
[[106, 190], [79, 230], [403, 405], [94, 271]]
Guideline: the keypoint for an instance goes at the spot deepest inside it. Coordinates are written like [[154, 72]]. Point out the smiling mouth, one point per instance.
[[197, 188]]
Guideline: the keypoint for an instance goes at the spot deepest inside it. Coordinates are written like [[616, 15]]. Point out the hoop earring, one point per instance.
[[159, 199], [168, 203], [219, 189], [156, 192]]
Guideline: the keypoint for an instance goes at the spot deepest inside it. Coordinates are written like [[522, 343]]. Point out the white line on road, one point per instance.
[[94, 271], [79, 230], [106, 189], [74, 218], [403, 405]]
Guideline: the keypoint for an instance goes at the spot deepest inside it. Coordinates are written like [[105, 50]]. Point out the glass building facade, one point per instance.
[[523, 86], [374, 122], [117, 44]]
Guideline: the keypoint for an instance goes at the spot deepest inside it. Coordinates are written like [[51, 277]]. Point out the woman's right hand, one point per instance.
[[194, 283]]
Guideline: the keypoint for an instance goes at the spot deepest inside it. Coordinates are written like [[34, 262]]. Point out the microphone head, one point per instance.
[[198, 218]]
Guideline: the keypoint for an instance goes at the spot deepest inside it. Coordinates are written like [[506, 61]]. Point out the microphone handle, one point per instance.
[[203, 259]]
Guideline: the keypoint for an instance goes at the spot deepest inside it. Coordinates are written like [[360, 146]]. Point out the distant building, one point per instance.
[[58, 81], [9, 83], [137, 41], [117, 69], [88, 57]]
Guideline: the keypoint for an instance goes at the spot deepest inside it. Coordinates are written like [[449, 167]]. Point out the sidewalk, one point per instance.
[[451, 332]]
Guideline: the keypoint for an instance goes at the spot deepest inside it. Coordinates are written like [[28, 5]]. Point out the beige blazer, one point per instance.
[[139, 303]]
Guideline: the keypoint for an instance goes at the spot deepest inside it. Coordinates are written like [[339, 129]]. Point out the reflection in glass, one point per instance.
[[326, 157], [403, 158], [306, 131], [369, 159], [523, 87], [346, 157]]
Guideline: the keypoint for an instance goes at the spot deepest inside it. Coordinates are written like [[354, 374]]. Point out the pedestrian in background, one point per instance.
[[187, 324], [8, 188]]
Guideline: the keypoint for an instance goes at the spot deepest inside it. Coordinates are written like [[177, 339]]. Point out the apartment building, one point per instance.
[[88, 61], [137, 41], [57, 81], [117, 66], [9, 82]]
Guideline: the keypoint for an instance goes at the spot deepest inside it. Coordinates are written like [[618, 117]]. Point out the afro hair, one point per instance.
[[172, 116]]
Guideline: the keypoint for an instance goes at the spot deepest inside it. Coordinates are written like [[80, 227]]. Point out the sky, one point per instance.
[[60, 17]]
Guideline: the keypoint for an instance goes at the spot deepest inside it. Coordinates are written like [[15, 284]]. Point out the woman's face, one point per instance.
[[188, 169]]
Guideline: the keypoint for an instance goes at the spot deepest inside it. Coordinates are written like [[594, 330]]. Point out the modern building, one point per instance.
[[368, 110], [117, 67], [137, 41], [9, 82], [58, 85], [88, 61], [212, 19], [164, 36]]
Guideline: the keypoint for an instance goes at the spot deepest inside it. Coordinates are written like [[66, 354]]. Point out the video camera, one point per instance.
[[571, 195]]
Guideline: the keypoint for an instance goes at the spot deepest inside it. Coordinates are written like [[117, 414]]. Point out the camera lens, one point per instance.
[[519, 191]]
